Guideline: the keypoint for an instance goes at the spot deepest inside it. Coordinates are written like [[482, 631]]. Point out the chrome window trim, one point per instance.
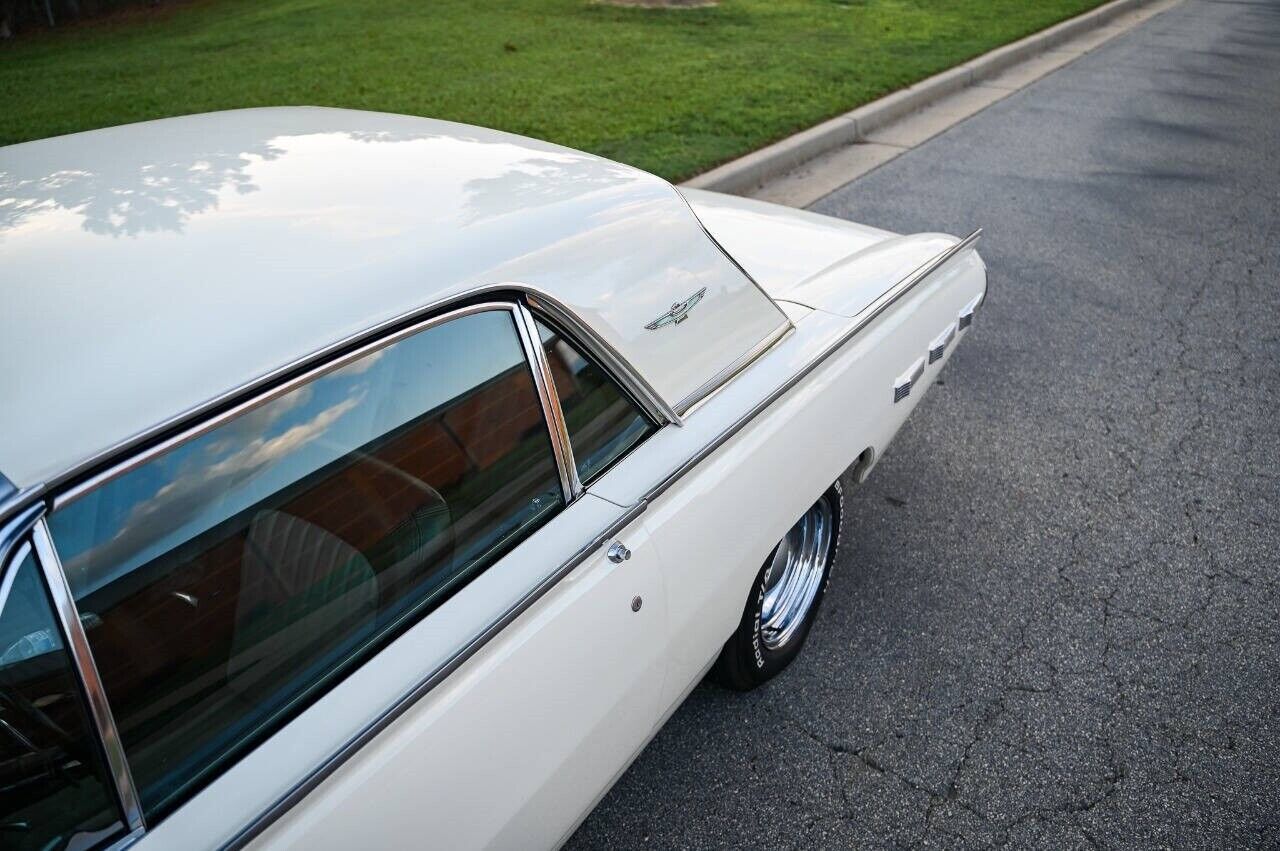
[[100, 716], [9, 571], [613, 363], [687, 405], [25, 535], [7, 489], [127, 840], [536, 356], [33, 520], [266, 386], [14, 530], [204, 426], [14, 505]]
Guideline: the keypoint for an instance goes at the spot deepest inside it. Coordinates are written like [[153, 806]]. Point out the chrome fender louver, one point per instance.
[[902, 385], [966, 312], [939, 345]]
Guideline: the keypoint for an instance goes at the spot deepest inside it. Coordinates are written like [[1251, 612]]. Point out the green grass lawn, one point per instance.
[[671, 91]]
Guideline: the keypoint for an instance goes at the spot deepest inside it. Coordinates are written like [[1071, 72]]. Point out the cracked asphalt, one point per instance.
[[1054, 623]]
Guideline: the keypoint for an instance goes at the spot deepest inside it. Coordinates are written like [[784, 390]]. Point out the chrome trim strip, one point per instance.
[[12, 532], [9, 571], [536, 355], [127, 840], [205, 426], [417, 692], [78, 646], [633, 382], [860, 321], [18, 501], [686, 405]]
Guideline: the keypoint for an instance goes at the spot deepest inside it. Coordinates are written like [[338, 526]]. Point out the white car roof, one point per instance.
[[151, 268]]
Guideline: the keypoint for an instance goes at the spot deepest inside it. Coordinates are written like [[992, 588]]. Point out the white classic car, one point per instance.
[[373, 481]]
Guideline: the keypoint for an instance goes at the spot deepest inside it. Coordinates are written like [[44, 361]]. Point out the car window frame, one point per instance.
[[594, 359], [520, 302], [27, 534]]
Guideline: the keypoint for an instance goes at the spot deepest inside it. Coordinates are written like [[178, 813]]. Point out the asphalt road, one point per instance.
[[1055, 622]]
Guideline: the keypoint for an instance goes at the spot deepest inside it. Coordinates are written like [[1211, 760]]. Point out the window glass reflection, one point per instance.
[[603, 423], [234, 578], [54, 790]]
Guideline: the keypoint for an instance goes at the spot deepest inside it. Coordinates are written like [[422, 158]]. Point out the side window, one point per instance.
[[603, 423], [54, 787], [233, 579]]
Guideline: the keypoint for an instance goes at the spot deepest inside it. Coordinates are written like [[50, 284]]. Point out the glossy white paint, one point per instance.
[[514, 745], [811, 259], [779, 246], [182, 258]]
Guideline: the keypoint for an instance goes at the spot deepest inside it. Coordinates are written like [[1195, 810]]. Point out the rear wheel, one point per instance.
[[784, 599]]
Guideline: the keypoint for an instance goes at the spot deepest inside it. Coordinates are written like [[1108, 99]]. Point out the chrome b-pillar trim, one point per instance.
[[64, 605], [551, 409], [613, 363]]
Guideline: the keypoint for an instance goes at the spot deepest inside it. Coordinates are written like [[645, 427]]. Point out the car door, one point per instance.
[[511, 750], [397, 598]]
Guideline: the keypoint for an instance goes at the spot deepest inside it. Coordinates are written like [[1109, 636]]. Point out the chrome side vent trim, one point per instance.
[[939, 345], [902, 386]]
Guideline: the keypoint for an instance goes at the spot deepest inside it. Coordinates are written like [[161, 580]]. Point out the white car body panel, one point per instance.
[[779, 246], [500, 719], [564, 696], [267, 774]]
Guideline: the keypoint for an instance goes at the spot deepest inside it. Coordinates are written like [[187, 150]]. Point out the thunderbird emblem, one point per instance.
[[679, 311]]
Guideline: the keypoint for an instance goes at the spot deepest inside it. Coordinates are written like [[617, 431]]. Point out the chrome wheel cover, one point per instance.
[[795, 575]]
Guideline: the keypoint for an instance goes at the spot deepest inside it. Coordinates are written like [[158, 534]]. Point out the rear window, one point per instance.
[[232, 580]]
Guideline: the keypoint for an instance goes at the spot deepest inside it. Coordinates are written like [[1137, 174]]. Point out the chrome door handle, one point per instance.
[[618, 552]]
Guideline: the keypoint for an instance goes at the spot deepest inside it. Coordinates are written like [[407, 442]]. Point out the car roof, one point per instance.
[[150, 268]]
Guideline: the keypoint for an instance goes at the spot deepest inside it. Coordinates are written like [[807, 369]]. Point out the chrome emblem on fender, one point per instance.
[[679, 311]]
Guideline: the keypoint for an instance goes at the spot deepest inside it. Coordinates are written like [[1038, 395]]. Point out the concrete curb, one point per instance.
[[756, 167]]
